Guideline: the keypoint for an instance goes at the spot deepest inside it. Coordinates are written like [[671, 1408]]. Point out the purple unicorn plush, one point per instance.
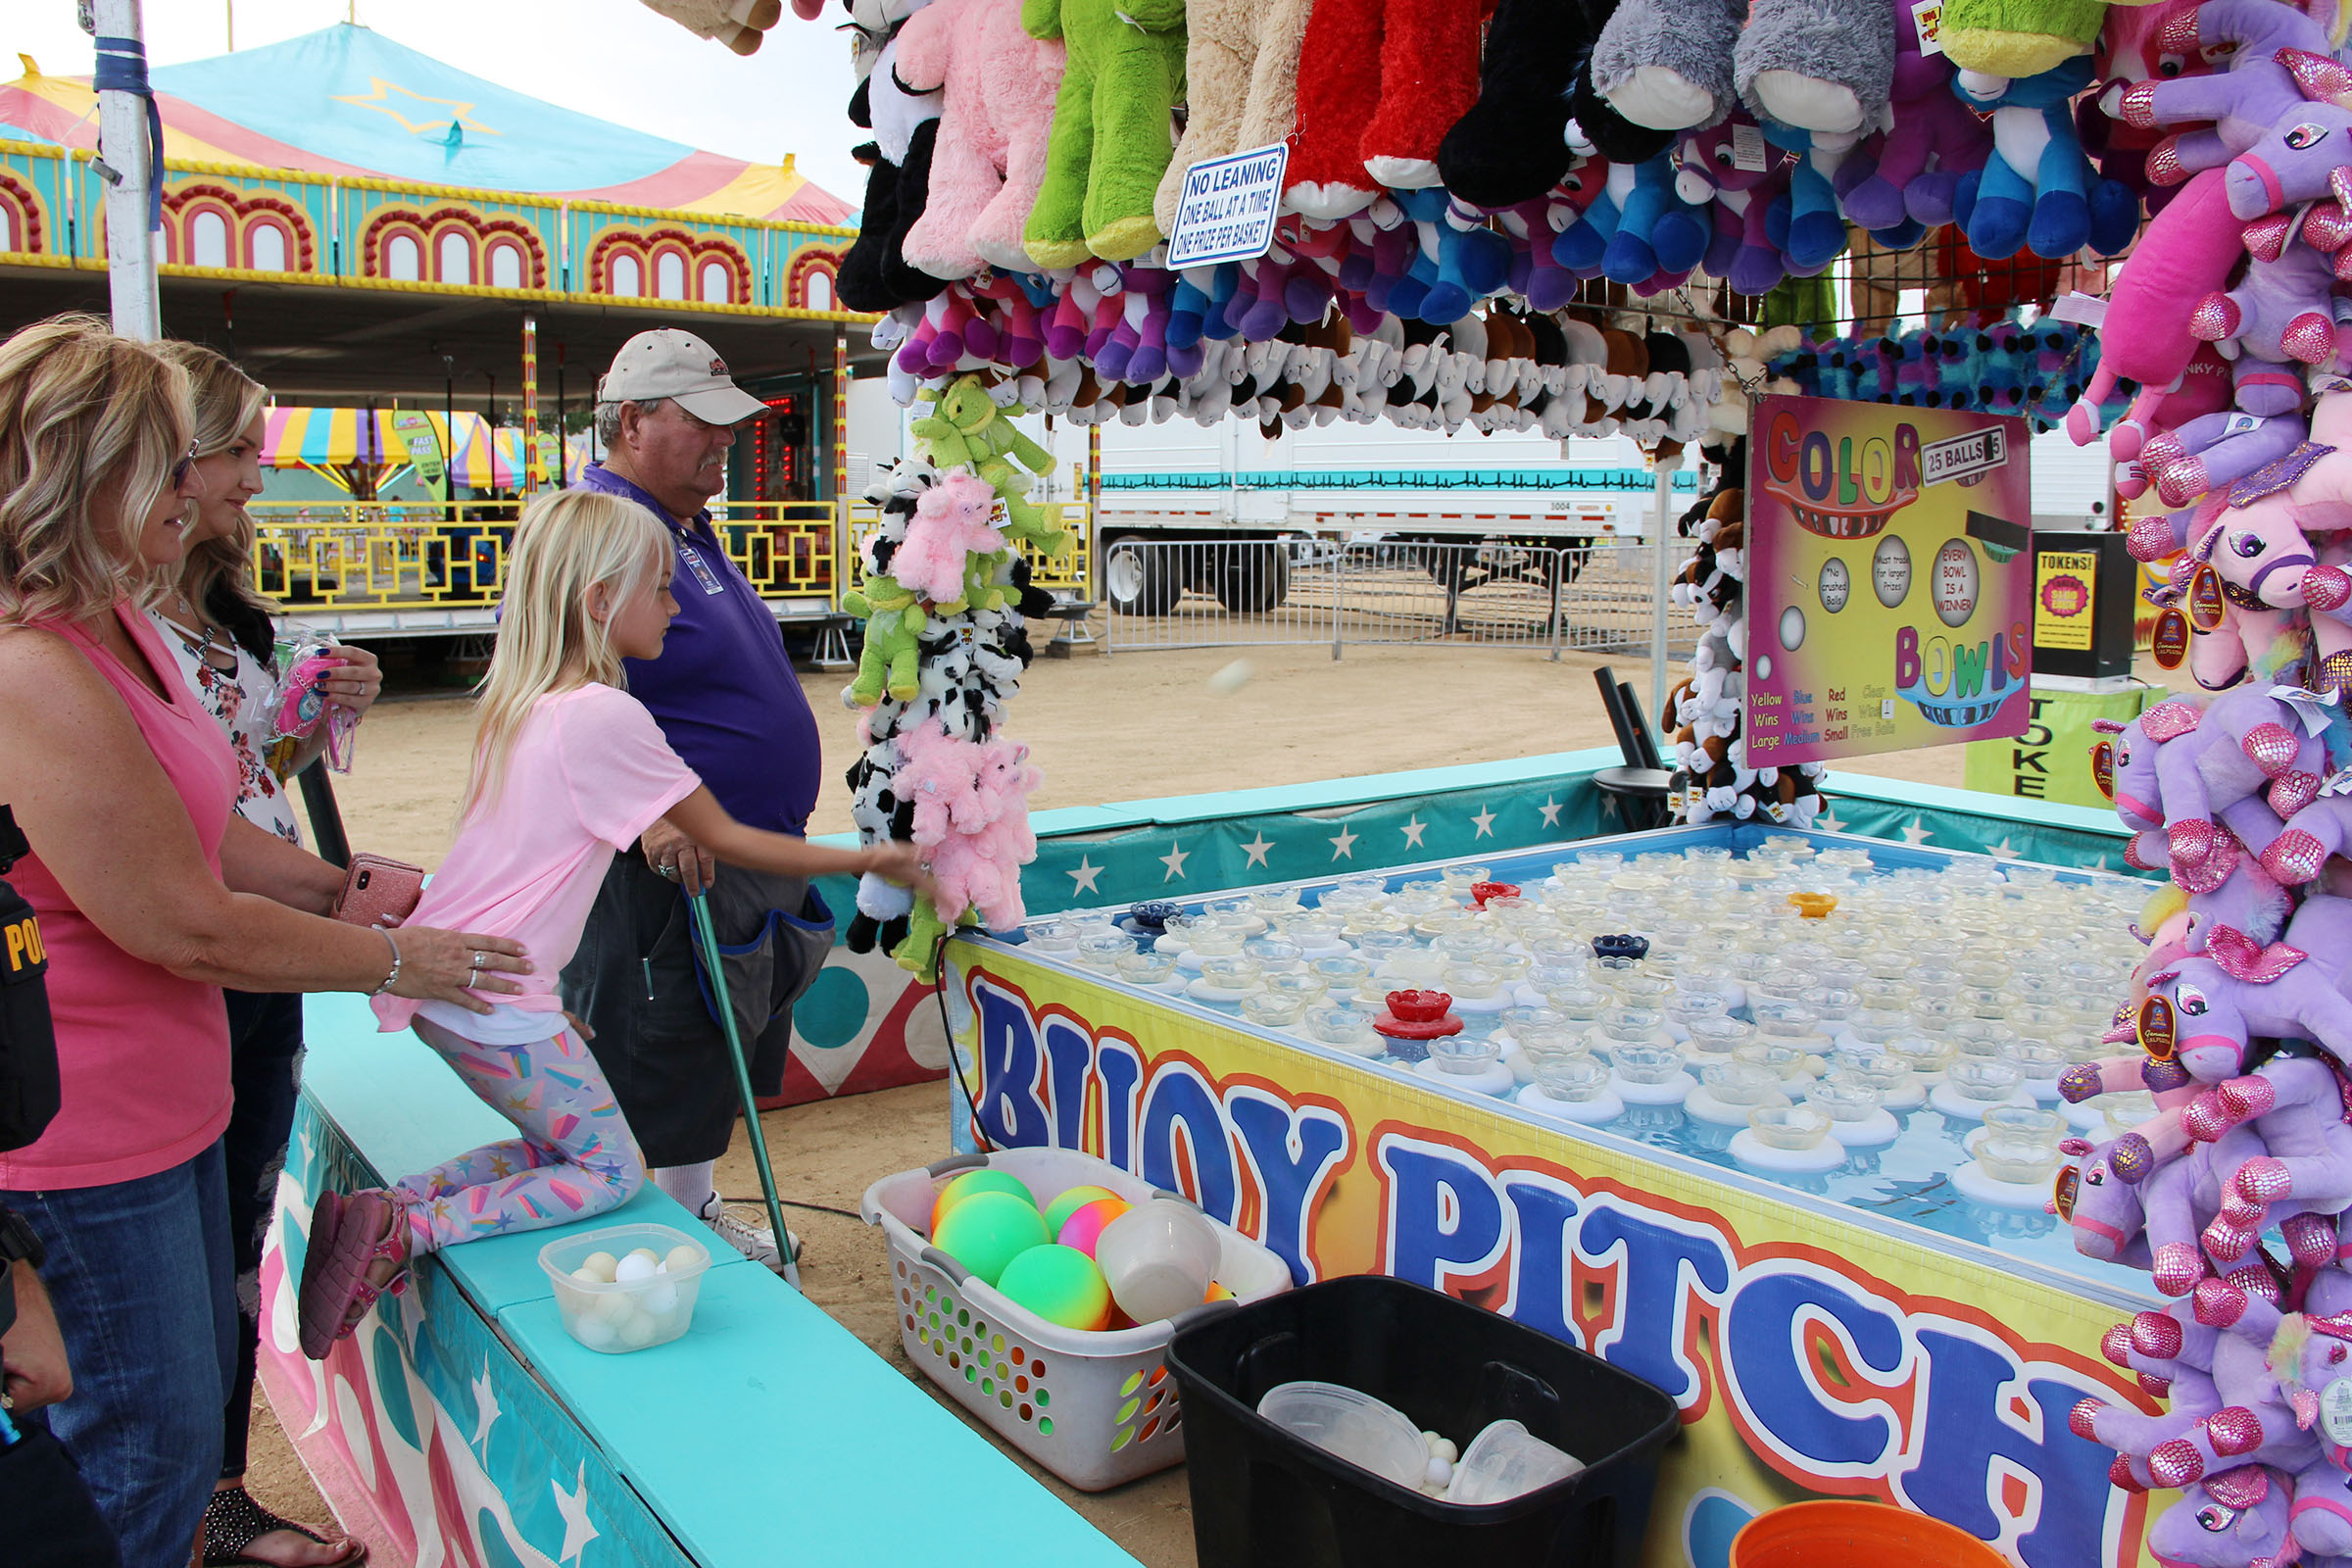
[[2243, 104], [2232, 1520], [2304, 144], [2220, 1000]]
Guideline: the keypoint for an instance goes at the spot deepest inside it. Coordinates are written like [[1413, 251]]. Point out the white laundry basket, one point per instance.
[[1095, 1408]]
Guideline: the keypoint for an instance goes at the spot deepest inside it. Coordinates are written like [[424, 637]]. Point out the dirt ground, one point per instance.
[[1102, 728]]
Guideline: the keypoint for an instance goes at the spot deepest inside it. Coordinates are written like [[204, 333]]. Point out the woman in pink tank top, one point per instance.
[[152, 894]]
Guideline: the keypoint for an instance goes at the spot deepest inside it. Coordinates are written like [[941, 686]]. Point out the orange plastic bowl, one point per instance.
[[1814, 905], [1856, 1535]]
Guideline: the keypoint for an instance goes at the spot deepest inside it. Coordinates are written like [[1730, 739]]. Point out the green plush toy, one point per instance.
[[894, 623], [2019, 38], [919, 951], [966, 429], [1111, 136]]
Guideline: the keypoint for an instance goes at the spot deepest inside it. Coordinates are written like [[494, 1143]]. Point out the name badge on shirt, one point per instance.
[[701, 569]]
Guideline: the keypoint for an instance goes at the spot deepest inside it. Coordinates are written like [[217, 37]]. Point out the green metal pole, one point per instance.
[[703, 934]]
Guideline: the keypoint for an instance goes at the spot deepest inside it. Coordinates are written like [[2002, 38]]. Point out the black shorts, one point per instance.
[[636, 982]]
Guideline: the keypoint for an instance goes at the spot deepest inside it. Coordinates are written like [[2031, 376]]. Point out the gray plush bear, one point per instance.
[[1821, 66], [1667, 64]]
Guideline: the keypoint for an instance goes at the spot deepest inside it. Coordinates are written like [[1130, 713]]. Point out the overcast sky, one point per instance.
[[610, 58]]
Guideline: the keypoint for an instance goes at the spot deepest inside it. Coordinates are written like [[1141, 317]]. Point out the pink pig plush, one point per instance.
[[951, 525]]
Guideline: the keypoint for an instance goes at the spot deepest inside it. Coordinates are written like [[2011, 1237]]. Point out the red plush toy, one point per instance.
[[1380, 84]]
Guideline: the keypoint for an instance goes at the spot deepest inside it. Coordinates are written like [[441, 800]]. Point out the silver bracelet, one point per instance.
[[392, 978]]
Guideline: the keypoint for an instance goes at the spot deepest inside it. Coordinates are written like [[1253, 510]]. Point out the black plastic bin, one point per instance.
[[1263, 1498]]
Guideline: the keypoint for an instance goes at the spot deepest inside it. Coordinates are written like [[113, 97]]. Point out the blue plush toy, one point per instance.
[[1657, 232], [2038, 191]]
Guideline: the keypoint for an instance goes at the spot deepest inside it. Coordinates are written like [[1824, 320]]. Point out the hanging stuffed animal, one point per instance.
[[2038, 191], [1511, 145], [997, 86], [876, 274], [1109, 144], [1240, 77], [737, 23]]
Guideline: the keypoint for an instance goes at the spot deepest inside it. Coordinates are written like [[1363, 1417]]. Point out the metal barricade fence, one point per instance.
[[1495, 594]]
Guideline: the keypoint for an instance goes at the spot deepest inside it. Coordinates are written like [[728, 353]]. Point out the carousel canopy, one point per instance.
[[348, 101]]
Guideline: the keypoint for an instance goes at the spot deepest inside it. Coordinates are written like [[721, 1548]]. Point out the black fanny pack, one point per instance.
[[28, 1042]]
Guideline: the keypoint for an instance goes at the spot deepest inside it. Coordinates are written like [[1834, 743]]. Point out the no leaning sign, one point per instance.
[[1228, 208]]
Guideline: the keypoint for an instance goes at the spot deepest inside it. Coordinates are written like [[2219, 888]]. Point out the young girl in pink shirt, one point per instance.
[[569, 769]]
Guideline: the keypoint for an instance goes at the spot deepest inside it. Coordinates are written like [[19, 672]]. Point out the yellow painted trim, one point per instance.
[[503, 198]]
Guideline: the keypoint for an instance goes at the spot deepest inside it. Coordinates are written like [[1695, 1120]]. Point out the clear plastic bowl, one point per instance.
[[2032, 1123], [1102, 951], [1271, 1012], [1574, 1078], [1230, 971], [1341, 973], [1505, 1461], [1353, 1428], [1273, 954], [1646, 1063], [1146, 968], [1465, 1056], [627, 1315], [1718, 1038], [1346, 1028], [1984, 1079], [2024, 1160], [1741, 1083], [1791, 1127], [1846, 1096], [1301, 985]]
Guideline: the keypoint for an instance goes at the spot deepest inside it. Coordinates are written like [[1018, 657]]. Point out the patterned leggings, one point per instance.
[[576, 1157]]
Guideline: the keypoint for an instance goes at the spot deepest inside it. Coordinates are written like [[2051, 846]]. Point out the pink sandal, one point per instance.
[[349, 1235]]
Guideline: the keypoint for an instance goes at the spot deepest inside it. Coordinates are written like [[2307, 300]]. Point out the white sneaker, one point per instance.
[[742, 1227]]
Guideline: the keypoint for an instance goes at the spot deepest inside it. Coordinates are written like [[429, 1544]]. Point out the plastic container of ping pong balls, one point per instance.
[[656, 1273]]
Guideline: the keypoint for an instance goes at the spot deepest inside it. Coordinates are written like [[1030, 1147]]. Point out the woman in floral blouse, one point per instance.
[[220, 629]]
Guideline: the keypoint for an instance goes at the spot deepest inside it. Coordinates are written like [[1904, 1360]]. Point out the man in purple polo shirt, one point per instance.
[[728, 702]]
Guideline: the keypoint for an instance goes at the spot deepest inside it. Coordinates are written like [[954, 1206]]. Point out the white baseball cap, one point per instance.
[[666, 362]]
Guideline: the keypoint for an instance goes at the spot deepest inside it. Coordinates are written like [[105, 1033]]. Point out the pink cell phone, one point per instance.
[[379, 890]]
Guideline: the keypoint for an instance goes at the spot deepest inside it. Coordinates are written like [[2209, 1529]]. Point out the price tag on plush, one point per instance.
[[1228, 208]]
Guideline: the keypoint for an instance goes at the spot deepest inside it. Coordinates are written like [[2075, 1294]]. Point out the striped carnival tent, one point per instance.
[[326, 441]]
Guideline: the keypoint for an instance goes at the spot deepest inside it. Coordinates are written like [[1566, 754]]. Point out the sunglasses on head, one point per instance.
[[179, 469]]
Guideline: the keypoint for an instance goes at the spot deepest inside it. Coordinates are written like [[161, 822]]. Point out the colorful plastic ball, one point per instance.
[[1059, 1211], [1085, 1222], [975, 1181], [988, 1230], [1061, 1284]]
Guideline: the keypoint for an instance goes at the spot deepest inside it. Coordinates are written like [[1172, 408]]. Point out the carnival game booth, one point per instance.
[[1745, 1165]]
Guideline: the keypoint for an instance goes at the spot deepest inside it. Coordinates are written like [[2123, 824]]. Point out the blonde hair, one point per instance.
[[564, 545], [80, 407], [226, 401]]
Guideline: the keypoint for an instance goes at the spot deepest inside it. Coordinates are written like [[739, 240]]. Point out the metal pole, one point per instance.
[[841, 464], [1659, 597], [1093, 513], [126, 135], [530, 402]]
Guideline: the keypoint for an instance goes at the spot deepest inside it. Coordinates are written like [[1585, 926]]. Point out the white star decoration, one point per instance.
[[2002, 851], [1174, 861], [1551, 811], [1916, 833], [1827, 821], [1084, 875], [485, 1404], [573, 1506], [1256, 849], [1486, 823], [1413, 830], [1344, 847]]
